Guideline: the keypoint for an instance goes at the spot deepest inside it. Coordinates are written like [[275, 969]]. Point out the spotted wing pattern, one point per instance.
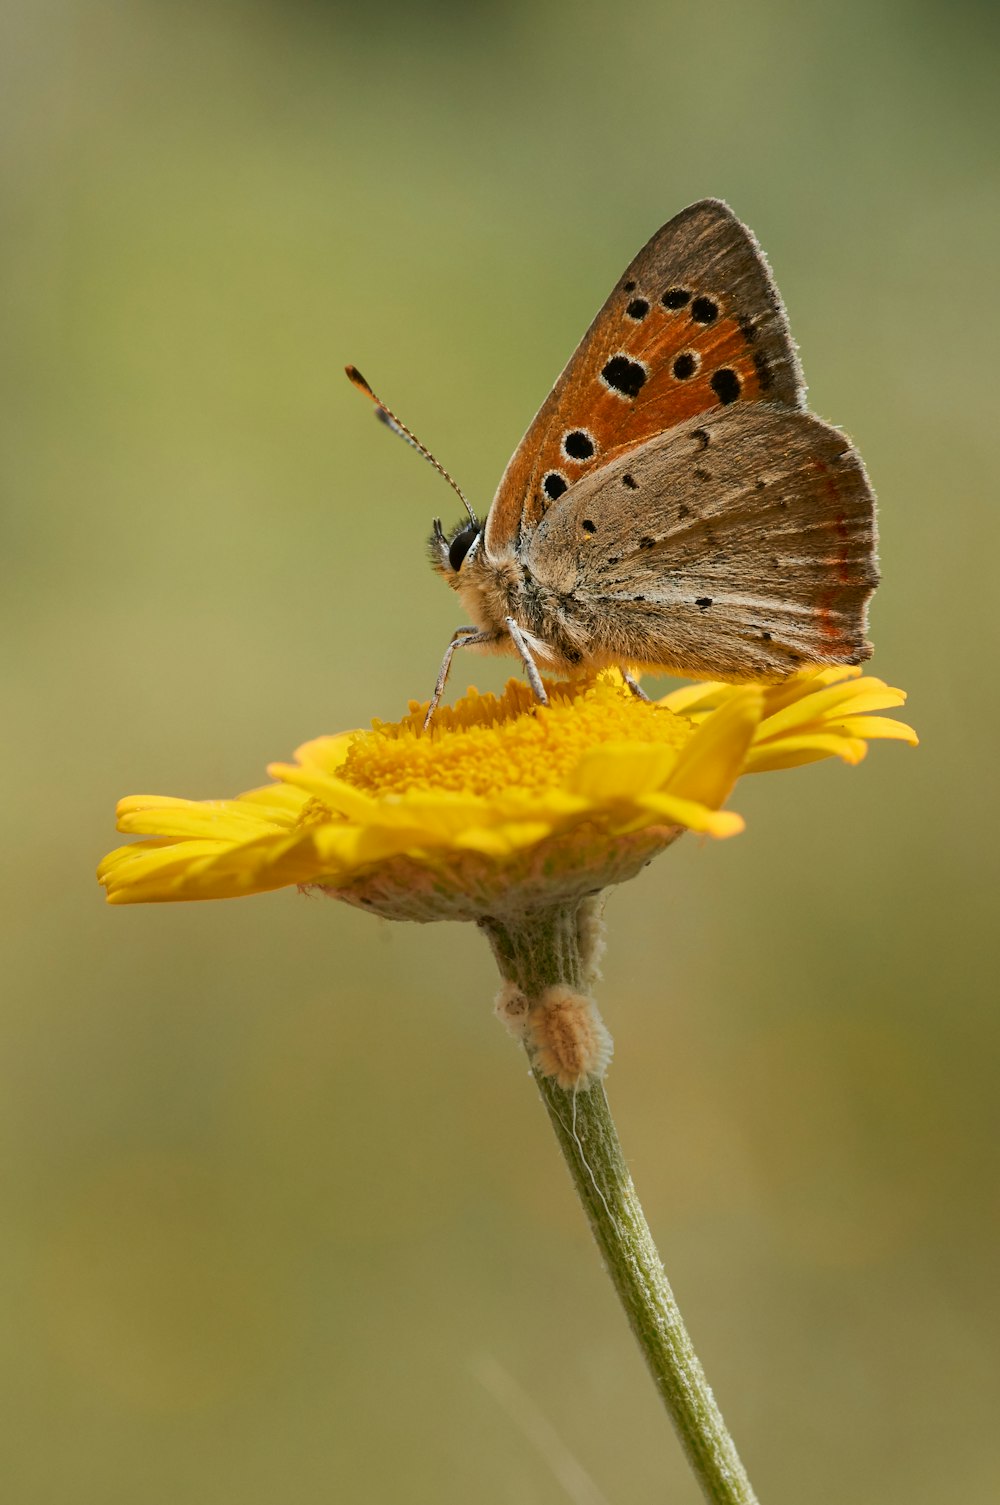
[[694, 323], [739, 545]]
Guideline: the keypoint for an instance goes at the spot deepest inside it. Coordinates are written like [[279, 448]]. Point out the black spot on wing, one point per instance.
[[703, 602], [725, 384], [554, 485], [704, 311], [630, 483], [625, 377], [685, 365], [578, 445], [588, 526], [676, 297], [637, 309]]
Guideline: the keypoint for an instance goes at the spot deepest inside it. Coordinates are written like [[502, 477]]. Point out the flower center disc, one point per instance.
[[486, 744]]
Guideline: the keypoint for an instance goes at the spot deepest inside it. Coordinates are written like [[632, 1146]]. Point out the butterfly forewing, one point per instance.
[[694, 323], [746, 547]]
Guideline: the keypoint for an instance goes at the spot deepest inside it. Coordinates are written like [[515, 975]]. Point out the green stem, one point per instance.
[[535, 951]]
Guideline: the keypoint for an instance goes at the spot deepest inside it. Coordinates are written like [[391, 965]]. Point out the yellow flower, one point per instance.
[[503, 805]]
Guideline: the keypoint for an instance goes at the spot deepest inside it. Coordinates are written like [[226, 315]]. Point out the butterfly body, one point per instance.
[[673, 505]]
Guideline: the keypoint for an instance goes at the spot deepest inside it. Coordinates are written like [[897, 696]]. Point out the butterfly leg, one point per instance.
[[530, 667], [634, 686], [464, 637]]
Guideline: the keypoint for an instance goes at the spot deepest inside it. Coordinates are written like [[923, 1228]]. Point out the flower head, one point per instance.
[[503, 804]]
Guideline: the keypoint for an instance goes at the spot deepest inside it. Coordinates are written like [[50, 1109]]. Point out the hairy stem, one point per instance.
[[535, 951]]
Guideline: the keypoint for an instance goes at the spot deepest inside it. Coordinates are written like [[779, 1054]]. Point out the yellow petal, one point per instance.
[[821, 705], [810, 747], [502, 841], [709, 764], [333, 792], [277, 797], [621, 772], [874, 727], [696, 817], [214, 819], [159, 862], [798, 686], [327, 754], [697, 697]]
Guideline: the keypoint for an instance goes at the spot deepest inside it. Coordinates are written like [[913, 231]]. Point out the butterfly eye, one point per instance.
[[461, 544]]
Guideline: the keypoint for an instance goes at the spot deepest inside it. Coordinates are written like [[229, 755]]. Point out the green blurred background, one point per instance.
[[278, 1196]]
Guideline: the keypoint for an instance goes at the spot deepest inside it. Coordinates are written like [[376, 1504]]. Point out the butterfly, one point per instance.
[[672, 507]]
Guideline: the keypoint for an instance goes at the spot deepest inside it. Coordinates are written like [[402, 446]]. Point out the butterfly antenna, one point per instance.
[[388, 417]]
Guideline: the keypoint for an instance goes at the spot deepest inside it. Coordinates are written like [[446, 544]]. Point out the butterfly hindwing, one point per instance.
[[738, 545], [694, 323]]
